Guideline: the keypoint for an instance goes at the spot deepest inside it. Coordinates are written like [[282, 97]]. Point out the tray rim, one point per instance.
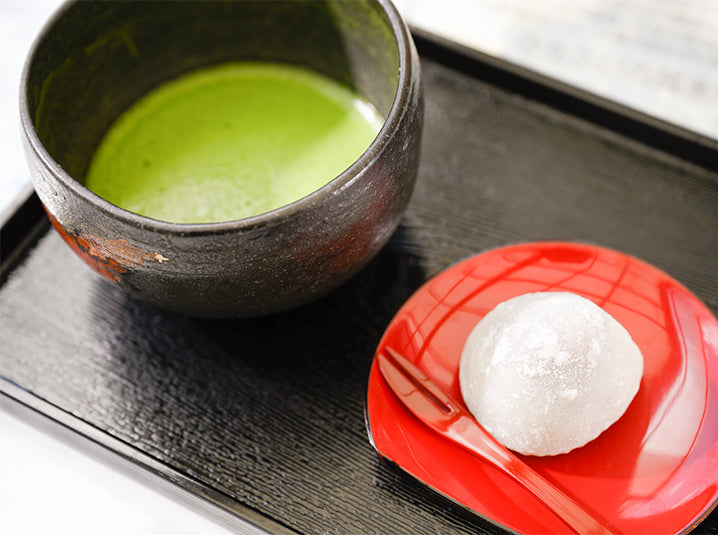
[[604, 112], [101, 444]]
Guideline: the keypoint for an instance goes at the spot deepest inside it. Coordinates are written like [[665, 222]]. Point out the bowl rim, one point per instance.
[[402, 38]]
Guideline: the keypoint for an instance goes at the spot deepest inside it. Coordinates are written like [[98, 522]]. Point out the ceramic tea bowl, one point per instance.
[[94, 59]]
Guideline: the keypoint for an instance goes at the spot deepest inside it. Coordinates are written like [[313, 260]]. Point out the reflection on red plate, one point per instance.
[[654, 471]]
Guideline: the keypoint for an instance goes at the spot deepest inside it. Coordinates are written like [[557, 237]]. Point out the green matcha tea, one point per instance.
[[231, 141]]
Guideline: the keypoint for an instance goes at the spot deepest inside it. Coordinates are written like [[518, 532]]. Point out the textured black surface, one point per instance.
[[266, 417]]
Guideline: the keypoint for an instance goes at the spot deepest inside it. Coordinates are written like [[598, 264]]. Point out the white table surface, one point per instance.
[[658, 56]]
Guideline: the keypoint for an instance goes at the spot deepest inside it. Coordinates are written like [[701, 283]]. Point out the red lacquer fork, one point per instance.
[[430, 404]]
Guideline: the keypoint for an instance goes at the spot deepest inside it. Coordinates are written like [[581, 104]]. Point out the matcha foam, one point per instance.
[[231, 141]]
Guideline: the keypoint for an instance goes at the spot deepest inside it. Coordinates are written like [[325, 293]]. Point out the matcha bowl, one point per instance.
[[94, 60]]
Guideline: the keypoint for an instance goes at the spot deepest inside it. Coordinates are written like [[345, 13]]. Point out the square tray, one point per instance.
[[264, 418]]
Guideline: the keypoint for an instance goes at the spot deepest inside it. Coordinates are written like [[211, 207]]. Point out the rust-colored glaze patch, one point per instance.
[[109, 258]]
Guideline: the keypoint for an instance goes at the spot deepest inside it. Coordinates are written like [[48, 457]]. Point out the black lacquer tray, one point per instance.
[[263, 420]]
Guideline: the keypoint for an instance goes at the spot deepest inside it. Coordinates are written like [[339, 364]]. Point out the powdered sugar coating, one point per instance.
[[548, 372]]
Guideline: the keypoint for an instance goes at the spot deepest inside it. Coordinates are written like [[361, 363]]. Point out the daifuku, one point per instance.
[[548, 372]]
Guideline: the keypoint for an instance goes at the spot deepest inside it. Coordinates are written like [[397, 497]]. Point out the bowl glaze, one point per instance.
[[94, 59]]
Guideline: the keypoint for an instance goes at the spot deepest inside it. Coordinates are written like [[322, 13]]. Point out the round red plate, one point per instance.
[[654, 471]]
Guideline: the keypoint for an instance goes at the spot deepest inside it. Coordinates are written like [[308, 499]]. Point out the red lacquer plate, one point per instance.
[[655, 471]]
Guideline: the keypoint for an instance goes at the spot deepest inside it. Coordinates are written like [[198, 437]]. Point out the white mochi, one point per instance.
[[547, 372]]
